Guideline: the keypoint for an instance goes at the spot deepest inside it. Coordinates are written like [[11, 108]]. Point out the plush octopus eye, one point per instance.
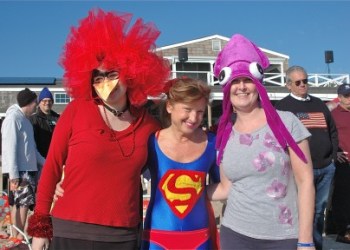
[[225, 75], [256, 70]]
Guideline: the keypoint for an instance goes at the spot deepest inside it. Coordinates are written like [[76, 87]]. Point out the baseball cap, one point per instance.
[[344, 89]]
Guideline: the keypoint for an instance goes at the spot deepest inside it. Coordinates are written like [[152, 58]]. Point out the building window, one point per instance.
[[61, 98], [194, 70], [216, 45]]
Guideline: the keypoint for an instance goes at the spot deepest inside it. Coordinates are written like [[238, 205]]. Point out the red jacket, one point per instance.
[[101, 185], [341, 117]]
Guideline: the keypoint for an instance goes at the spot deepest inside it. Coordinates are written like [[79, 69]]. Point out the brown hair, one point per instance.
[[184, 90]]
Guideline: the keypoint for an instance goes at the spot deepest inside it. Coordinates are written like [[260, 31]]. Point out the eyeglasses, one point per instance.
[[99, 76], [305, 81]]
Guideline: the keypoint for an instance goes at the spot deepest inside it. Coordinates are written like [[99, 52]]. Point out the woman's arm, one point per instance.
[[219, 191], [39, 224], [303, 173]]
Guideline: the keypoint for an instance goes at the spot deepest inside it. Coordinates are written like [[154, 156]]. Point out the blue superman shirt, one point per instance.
[[179, 214]]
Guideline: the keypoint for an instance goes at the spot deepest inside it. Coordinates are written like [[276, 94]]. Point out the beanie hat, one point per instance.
[[45, 93], [25, 96], [242, 58]]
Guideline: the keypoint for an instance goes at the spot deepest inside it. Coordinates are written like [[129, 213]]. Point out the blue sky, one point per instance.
[[32, 33]]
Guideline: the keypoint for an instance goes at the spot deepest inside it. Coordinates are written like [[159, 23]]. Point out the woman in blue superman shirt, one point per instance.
[[179, 215]]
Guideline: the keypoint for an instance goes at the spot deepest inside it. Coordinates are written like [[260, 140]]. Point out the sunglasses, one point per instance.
[[297, 83]]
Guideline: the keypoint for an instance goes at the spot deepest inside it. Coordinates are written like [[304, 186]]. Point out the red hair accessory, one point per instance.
[[169, 84], [102, 40]]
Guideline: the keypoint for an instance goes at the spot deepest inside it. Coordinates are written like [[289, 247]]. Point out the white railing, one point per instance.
[[328, 80], [272, 79]]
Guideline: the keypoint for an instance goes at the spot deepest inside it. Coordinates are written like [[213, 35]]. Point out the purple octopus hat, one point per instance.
[[242, 58]]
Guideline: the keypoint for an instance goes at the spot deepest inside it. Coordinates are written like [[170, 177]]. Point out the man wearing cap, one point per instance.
[[341, 193], [44, 121], [20, 157], [316, 117]]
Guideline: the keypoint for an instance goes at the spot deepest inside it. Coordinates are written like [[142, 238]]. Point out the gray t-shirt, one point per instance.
[[262, 203]]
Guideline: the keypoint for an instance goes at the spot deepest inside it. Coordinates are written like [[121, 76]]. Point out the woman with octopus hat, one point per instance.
[[265, 167], [101, 137]]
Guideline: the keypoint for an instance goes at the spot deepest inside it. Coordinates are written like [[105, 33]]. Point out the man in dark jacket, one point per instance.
[[316, 117], [44, 122]]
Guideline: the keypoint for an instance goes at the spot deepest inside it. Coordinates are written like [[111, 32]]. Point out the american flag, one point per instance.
[[312, 120]]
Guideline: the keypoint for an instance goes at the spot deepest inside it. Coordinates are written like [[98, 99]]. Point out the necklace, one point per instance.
[[114, 137], [114, 111]]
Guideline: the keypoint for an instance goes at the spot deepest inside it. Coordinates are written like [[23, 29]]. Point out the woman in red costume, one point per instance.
[[101, 137]]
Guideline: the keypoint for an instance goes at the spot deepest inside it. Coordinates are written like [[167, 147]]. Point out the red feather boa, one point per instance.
[[40, 226]]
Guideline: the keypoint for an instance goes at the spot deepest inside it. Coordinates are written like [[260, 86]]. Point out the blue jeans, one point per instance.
[[323, 178]]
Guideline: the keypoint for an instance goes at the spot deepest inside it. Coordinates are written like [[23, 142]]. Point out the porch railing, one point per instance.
[[272, 79]]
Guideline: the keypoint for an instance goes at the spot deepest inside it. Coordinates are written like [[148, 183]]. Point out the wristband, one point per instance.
[[302, 244]]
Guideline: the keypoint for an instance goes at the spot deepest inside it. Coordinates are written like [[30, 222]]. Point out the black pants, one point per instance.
[[58, 243], [231, 240], [341, 197]]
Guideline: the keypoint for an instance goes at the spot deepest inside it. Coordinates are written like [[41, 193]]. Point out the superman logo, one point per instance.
[[181, 189]]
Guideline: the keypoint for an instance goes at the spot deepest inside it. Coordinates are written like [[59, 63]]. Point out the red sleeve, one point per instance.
[[40, 223]]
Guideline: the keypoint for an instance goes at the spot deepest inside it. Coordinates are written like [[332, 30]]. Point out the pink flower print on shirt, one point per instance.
[[263, 161], [271, 142], [285, 216], [276, 190], [285, 170], [247, 139]]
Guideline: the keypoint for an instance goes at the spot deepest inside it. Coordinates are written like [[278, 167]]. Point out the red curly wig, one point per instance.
[[102, 39]]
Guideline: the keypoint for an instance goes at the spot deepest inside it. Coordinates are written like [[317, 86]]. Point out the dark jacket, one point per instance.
[[317, 118], [43, 126]]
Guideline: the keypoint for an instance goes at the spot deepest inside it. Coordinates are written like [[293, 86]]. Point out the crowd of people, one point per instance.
[[275, 166]]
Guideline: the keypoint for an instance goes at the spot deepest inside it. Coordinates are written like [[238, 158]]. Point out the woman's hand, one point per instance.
[[342, 157], [40, 243], [58, 191]]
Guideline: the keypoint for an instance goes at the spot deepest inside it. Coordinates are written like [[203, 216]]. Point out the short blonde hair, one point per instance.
[[184, 90]]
